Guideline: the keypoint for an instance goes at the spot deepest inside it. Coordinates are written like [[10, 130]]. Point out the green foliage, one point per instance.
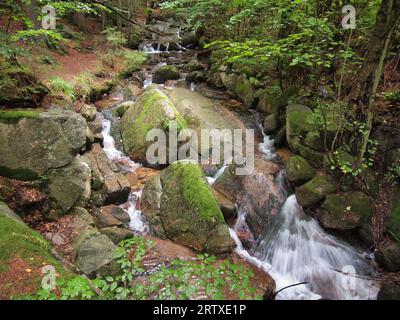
[[393, 173], [66, 89], [392, 96], [179, 279], [114, 38]]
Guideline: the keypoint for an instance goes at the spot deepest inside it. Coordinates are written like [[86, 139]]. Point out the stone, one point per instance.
[[346, 211], [51, 139], [70, 186], [392, 225], [95, 254], [164, 73], [190, 40], [299, 171], [116, 234], [88, 112], [245, 90], [389, 291], [107, 182], [123, 107], [181, 199], [117, 213], [194, 65], [271, 123], [296, 124], [314, 191], [388, 256], [196, 76], [152, 110]]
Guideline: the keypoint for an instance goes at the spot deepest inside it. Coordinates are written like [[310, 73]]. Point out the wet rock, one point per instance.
[[88, 112], [196, 76], [153, 110], [190, 40], [345, 211], [96, 126], [228, 208], [271, 123], [165, 73], [194, 65], [95, 254], [123, 107], [70, 186], [117, 235], [180, 202], [299, 171], [51, 139], [313, 192], [270, 102], [388, 256], [109, 184], [117, 213], [105, 219]]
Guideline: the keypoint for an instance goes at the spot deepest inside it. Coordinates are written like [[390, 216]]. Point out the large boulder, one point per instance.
[[388, 256], [108, 184], [190, 40], [296, 125], [315, 191], [70, 186], [152, 110], [32, 143], [95, 254], [180, 203], [165, 73], [345, 211], [299, 171]]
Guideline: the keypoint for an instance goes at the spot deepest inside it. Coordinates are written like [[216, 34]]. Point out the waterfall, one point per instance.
[[294, 248], [137, 223]]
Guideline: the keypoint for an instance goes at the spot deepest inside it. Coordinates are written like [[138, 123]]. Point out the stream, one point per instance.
[[293, 247]]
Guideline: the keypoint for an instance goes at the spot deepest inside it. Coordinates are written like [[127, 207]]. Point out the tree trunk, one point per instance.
[[370, 74]]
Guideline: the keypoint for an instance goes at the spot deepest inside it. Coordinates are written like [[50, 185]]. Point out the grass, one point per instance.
[[59, 86]]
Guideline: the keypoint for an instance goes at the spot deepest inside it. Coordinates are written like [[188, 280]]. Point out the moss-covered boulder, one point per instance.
[[388, 256], [271, 123], [392, 225], [296, 125], [315, 191], [152, 110], [270, 101], [23, 253], [345, 211], [180, 204], [228, 78], [32, 143], [165, 73], [245, 90], [194, 65], [299, 171]]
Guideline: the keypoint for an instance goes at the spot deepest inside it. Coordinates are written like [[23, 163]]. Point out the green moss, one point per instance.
[[133, 60], [314, 191], [13, 116], [19, 174], [196, 191], [299, 170], [298, 122]]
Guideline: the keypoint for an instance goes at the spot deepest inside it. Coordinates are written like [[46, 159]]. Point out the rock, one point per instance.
[[88, 112], [392, 225], [229, 79], [271, 123], [117, 213], [123, 107], [109, 184], [196, 76], [152, 110], [70, 186], [190, 40], [388, 256], [296, 125], [165, 73], [280, 137], [345, 211], [83, 215], [96, 126], [228, 208], [117, 235], [194, 65], [245, 192], [313, 192], [313, 156], [105, 219], [245, 90], [5, 211], [314, 141], [299, 171], [389, 291], [51, 139], [182, 201], [95, 254], [270, 102]]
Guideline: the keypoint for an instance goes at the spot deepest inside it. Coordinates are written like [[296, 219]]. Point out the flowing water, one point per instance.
[[293, 248]]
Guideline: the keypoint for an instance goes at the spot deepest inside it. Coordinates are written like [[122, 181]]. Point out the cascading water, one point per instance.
[[137, 223], [267, 146], [294, 248]]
